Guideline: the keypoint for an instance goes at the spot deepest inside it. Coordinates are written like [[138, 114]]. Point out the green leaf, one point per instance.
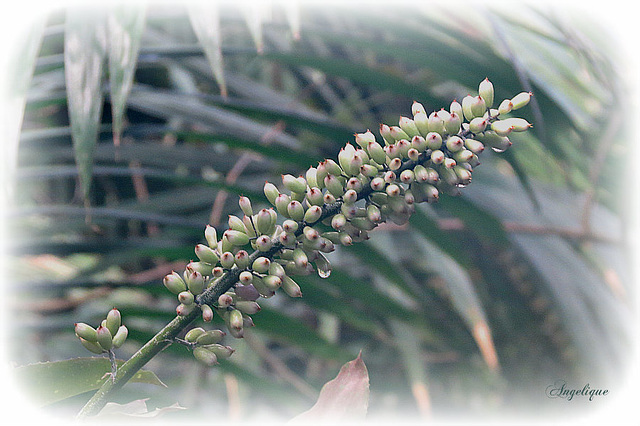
[[84, 52], [205, 21], [49, 382], [125, 27]]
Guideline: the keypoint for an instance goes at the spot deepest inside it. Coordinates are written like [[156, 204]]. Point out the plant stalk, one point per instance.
[[166, 336]]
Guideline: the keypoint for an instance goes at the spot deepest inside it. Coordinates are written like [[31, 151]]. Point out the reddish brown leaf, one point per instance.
[[344, 398]]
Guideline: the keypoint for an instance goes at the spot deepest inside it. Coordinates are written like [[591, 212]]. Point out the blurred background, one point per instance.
[[143, 124]]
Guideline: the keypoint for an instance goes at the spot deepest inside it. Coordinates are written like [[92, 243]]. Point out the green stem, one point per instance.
[[127, 370]]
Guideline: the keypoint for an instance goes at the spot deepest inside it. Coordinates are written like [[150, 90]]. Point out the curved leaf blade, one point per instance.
[[125, 27], [50, 382], [84, 52]]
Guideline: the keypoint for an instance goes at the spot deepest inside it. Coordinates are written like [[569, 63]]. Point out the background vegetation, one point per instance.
[[476, 307]]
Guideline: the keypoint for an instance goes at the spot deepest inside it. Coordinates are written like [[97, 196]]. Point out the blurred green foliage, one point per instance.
[[530, 264]]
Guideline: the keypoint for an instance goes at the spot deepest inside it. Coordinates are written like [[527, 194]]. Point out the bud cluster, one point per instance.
[[111, 334], [369, 184], [206, 345]]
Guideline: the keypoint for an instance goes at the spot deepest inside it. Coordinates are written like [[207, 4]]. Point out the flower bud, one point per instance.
[[205, 356], [273, 282], [311, 177], [186, 297], [332, 168], [313, 214], [238, 334], [407, 176], [245, 206], [211, 236], [464, 175], [314, 196], [419, 144], [86, 332], [453, 123], [281, 203], [462, 156], [436, 124], [247, 307], [521, 99], [431, 193], [249, 226], [377, 184], [456, 108], [413, 154], [409, 127], [502, 127], [201, 267], [328, 198], [473, 145], [310, 234], [242, 259], [478, 107], [385, 132], [193, 334], [505, 107], [245, 277], [294, 184], [174, 283], [184, 310], [478, 124], [263, 222], [433, 140], [364, 139], [291, 287], [120, 336], [206, 254], [261, 265], [437, 157], [295, 210], [393, 190], [420, 174], [225, 300], [105, 340], [449, 163], [227, 260], [91, 346], [333, 185], [466, 107], [235, 319], [368, 170], [271, 192], [417, 107], [222, 352], [237, 238], [195, 283], [263, 243], [449, 176], [249, 291], [454, 143], [517, 124], [421, 120], [287, 239], [345, 239], [397, 133], [210, 337], [300, 258], [395, 163], [374, 214], [207, 313], [485, 91], [354, 183]]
